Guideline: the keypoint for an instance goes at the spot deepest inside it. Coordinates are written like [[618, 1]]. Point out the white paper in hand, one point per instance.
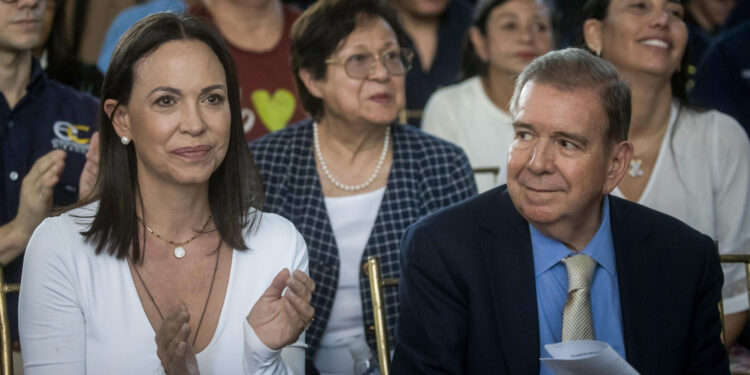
[[586, 357]]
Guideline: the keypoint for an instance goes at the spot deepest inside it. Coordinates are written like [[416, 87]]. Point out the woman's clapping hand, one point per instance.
[[278, 319], [172, 346]]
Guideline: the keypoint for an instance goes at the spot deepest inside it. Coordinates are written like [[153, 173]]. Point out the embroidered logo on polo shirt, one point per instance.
[[71, 137]]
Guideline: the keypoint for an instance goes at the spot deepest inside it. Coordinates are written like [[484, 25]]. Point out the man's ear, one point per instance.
[[311, 84], [618, 164], [592, 35], [118, 115], [479, 42]]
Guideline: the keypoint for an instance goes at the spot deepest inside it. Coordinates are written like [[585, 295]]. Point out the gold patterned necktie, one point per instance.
[[577, 321]]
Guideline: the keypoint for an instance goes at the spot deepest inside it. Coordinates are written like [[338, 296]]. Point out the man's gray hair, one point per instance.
[[574, 68]]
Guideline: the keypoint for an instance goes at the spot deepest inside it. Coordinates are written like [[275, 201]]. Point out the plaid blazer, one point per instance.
[[427, 174]]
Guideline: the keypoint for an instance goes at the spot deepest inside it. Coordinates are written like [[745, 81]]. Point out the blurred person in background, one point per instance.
[[435, 29], [705, 20], [128, 18], [257, 35], [722, 81], [352, 179], [707, 16], [504, 37], [688, 163], [57, 57], [45, 129]]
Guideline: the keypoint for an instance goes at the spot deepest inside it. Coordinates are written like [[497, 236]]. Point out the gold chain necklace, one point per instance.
[[179, 250]]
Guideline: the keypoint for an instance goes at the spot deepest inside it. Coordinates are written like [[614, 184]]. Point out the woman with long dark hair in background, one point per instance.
[[689, 163], [504, 37]]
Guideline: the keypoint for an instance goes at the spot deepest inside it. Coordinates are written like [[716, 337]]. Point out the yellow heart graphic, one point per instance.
[[275, 111]]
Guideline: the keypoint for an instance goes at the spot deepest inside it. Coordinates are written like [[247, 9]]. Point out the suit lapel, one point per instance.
[[506, 244], [638, 279]]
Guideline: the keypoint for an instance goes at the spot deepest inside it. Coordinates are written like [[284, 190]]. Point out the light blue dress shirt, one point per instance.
[[552, 287]]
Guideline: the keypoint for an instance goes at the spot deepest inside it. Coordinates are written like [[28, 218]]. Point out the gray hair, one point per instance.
[[574, 68]]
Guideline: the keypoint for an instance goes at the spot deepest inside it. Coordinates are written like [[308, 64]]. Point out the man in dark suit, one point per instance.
[[553, 257]]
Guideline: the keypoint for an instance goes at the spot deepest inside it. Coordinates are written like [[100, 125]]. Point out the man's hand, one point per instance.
[[175, 353], [279, 320], [37, 190], [35, 203], [90, 169]]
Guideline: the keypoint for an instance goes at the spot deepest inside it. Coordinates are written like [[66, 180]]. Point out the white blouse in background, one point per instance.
[[702, 177], [352, 219], [79, 313], [463, 114]]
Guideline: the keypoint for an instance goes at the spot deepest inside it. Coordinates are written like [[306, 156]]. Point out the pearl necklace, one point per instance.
[[339, 184]]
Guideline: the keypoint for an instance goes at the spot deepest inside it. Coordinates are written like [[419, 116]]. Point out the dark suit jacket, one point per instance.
[[468, 296]]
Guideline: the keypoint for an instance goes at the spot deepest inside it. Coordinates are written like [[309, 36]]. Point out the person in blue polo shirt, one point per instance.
[[45, 131]]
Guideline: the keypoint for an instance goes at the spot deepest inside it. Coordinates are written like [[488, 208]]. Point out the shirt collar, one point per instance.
[[37, 76], [547, 252]]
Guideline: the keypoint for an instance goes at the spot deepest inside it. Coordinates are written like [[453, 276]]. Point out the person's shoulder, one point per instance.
[[129, 16], [465, 215], [736, 35], [64, 231], [459, 94], [271, 225], [70, 96], [664, 228], [423, 144], [283, 138], [272, 232], [712, 127], [461, 89]]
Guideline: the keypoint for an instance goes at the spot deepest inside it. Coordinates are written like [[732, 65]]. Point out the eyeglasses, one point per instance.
[[359, 65]]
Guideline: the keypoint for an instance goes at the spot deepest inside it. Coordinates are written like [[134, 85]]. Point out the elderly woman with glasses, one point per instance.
[[352, 179]]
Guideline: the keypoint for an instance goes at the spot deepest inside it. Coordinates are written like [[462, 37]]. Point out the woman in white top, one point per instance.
[[170, 267], [691, 164], [505, 36]]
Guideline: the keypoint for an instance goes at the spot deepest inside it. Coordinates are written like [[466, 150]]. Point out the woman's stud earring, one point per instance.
[[125, 140]]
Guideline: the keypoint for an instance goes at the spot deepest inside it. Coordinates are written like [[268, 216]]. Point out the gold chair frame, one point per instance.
[[7, 354], [377, 283], [734, 258]]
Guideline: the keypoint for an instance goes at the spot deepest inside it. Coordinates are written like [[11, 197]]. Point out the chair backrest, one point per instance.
[[6, 355], [379, 311], [734, 258]]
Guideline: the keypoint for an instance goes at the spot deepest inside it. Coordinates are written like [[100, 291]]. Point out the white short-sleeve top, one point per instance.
[[463, 114], [79, 313], [702, 177]]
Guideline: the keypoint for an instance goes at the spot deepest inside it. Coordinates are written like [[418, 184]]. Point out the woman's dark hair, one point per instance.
[[471, 64], [597, 9], [234, 188], [322, 29]]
